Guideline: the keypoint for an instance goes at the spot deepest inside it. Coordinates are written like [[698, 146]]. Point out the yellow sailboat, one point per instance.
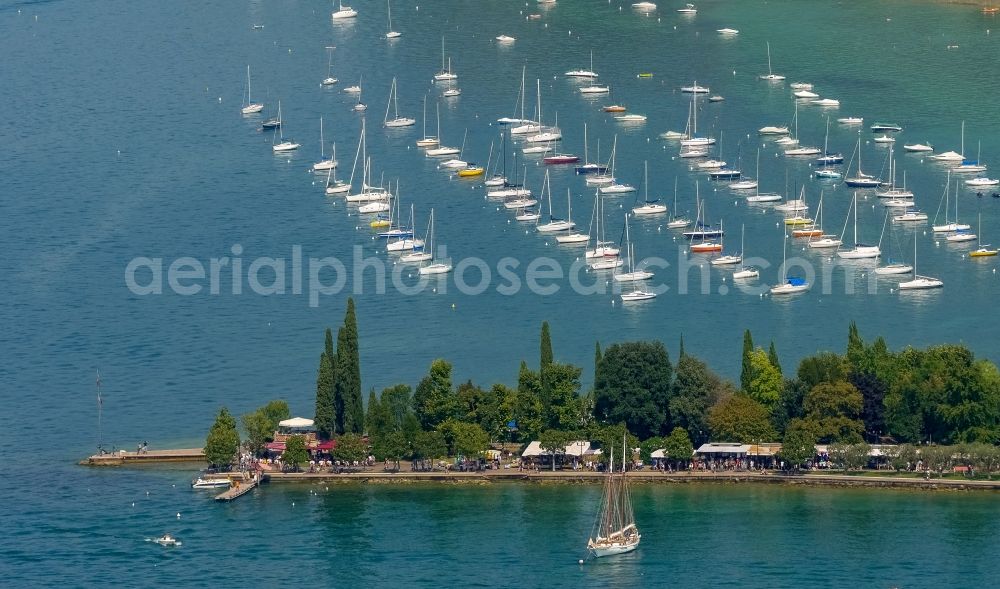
[[471, 171], [984, 251], [798, 220]]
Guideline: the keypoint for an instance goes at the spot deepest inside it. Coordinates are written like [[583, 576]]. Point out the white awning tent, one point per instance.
[[296, 423], [658, 453], [578, 448], [723, 448]]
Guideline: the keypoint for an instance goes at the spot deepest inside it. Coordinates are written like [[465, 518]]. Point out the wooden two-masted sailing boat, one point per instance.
[[615, 531]]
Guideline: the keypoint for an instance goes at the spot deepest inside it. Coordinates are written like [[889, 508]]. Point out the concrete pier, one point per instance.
[[148, 457]]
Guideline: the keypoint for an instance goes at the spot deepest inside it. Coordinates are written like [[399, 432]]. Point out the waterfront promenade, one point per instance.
[[638, 477]]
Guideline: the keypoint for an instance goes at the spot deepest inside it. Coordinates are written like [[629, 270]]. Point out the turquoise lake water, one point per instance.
[[125, 140]]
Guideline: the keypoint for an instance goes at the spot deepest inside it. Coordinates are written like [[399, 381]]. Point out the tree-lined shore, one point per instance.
[[939, 406]]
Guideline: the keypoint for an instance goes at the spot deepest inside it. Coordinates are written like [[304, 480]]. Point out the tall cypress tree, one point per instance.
[[855, 347], [680, 353], [546, 347], [772, 355], [746, 375], [347, 389], [597, 358], [326, 412]]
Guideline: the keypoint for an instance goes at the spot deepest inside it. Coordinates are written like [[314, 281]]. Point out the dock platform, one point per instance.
[[239, 488], [121, 457]]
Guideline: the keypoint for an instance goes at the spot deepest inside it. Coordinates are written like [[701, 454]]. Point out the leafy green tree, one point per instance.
[[410, 428], [347, 368], [465, 439], [391, 446], [561, 382], [855, 346], [765, 384], [941, 394], [798, 447], [772, 357], [350, 447], [971, 411], [326, 410], [223, 440], [678, 447], [258, 430], [295, 452], [473, 403], [857, 456], [740, 419], [546, 347], [396, 401], [902, 457], [695, 388], [835, 409], [633, 386], [528, 410], [429, 445], [873, 390], [275, 411], [609, 439], [554, 442], [789, 404], [261, 424], [497, 411], [650, 445], [746, 374], [822, 367], [434, 400], [378, 420], [597, 358], [849, 456]]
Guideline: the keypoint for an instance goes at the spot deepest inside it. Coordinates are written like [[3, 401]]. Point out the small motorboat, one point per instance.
[[452, 92], [201, 483], [631, 118], [883, 127], [850, 120], [595, 90], [688, 9], [980, 182], [773, 130], [506, 39], [614, 108], [167, 540], [715, 98], [884, 139], [826, 102], [727, 31], [918, 147]]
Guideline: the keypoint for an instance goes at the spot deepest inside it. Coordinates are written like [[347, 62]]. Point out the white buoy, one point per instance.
[[178, 515]]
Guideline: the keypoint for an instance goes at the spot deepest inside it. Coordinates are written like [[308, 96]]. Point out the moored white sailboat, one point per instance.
[[615, 531], [250, 107]]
